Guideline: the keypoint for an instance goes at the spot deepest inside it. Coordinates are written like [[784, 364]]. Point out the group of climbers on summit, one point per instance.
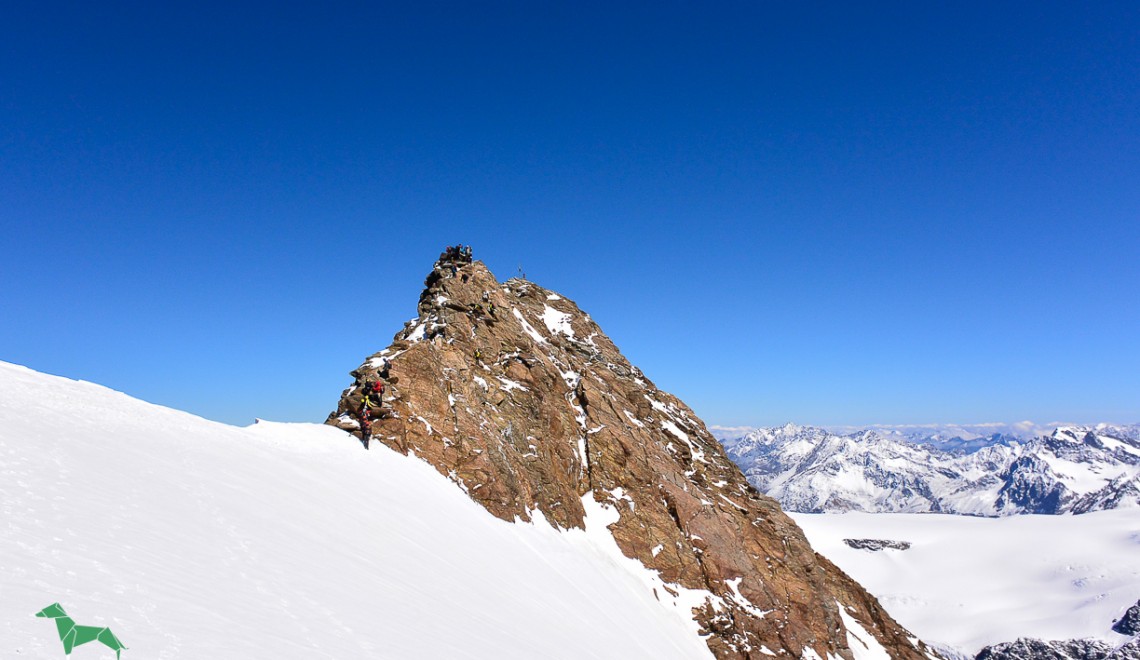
[[456, 254]]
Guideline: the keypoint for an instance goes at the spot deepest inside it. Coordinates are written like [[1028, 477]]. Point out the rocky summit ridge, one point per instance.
[[516, 395]]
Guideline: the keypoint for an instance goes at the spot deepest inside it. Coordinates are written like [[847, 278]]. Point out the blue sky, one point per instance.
[[811, 212]]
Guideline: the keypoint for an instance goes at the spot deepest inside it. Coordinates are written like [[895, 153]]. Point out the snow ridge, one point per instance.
[[194, 539]]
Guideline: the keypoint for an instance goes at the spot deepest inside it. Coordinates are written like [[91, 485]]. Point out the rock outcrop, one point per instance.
[[1129, 624], [875, 545], [517, 396], [1076, 649]]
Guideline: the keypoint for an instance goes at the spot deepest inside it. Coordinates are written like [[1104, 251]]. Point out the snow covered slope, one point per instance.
[[192, 539], [969, 582], [1073, 469]]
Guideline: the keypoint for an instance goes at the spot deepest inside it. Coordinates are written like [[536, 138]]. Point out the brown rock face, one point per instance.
[[529, 407]]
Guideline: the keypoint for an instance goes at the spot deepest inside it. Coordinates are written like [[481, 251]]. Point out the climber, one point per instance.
[[385, 365], [492, 309], [365, 428], [479, 356], [373, 394]]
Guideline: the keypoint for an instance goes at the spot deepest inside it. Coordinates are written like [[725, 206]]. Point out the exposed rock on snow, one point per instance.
[[1077, 649], [579, 428], [1129, 624], [1129, 651], [875, 545], [1035, 649]]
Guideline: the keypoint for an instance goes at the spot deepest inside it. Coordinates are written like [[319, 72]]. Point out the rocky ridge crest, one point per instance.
[[516, 395], [1074, 649]]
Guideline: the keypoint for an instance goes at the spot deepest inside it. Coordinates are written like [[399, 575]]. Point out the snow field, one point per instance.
[[969, 582], [192, 539]]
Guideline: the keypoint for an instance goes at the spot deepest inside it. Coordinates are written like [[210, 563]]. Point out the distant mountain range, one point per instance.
[[1010, 470]]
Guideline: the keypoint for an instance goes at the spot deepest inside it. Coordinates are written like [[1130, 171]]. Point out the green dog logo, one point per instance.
[[72, 635]]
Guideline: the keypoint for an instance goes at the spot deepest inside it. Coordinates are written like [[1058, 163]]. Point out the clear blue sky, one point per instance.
[[898, 213]]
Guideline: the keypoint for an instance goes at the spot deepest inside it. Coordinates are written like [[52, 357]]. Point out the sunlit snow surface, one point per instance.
[[193, 539], [969, 582]]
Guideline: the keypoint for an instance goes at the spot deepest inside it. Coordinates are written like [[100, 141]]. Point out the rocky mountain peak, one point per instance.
[[515, 394]]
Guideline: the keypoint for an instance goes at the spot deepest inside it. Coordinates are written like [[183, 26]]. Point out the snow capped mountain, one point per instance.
[[1070, 470], [946, 436]]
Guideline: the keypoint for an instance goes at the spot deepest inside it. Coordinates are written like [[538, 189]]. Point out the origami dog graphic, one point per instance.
[[72, 635]]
